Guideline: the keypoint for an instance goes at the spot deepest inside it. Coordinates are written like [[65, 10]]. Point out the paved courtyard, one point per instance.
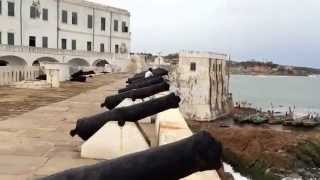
[[37, 143]]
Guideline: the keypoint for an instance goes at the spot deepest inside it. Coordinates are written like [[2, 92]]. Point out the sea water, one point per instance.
[[277, 92]]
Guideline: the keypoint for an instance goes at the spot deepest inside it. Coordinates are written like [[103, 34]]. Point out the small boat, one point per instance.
[[258, 119], [276, 119]]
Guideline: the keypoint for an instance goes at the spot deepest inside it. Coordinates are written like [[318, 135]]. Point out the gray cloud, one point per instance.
[[284, 31]]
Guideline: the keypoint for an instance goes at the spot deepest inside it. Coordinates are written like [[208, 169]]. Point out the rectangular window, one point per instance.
[[103, 24], [0, 36], [101, 47], [32, 41], [32, 12], [11, 8], [74, 18], [64, 43], [116, 48], [115, 25], [45, 14], [89, 46], [90, 21], [124, 27], [0, 7], [193, 66], [44, 42], [10, 38], [64, 16], [74, 44]]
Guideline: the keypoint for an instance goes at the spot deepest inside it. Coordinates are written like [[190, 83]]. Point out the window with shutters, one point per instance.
[[116, 48], [116, 25], [90, 21], [64, 43], [11, 8], [101, 47], [45, 14], [64, 16], [74, 18], [89, 46], [10, 38], [44, 42], [74, 44], [103, 24]]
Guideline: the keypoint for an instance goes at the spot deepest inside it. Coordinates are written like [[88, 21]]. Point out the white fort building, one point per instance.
[[74, 32]]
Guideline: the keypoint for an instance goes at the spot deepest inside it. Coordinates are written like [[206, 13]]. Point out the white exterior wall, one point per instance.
[[80, 32], [10, 24]]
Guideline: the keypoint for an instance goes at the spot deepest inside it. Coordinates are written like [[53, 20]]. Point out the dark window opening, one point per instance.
[[0, 7], [116, 48], [10, 38], [89, 46], [90, 21], [115, 25], [10, 8], [125, 28], [101, 47], [74, 44], [74, 18], [45, 42], [0, 37], [3, 63], [64, 43], [64, 16], [45, 14], [103, 24], [32, 41], [193, 66]]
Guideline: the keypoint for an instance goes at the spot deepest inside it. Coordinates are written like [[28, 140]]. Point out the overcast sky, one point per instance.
[[284, 31]]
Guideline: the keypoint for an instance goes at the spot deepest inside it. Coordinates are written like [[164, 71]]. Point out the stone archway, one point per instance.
[[3, 63], [44, 59], [78, 62], [100, 63], [13, 61]]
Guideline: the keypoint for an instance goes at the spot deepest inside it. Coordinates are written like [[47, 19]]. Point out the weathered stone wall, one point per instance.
[[203, 89]]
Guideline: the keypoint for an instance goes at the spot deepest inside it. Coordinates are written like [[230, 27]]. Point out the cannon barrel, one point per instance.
[[156, 72], [174, 161], [86, 127], [113, 101], [147, 82]]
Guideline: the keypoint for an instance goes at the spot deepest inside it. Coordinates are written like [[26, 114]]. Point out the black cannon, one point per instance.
[[86, 127], [113, 101], [145, 83], [174, 161], [156, 72]]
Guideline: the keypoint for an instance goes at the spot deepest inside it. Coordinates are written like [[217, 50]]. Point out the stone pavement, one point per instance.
[[37, 143]]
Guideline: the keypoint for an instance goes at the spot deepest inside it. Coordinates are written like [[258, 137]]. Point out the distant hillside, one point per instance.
[[269, 68]]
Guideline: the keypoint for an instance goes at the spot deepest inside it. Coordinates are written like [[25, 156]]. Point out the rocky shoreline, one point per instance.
[[267, 152]]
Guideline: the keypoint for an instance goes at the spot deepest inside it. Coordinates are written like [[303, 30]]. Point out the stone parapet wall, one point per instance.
[[9, 75]]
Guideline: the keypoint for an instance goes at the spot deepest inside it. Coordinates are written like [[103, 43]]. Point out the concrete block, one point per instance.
[[172, 127], [112, 141]]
